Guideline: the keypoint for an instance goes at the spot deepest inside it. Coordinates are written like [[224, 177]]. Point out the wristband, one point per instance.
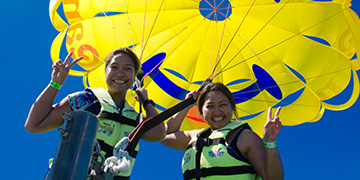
[[270, 144], [55, 85], [146, 102]]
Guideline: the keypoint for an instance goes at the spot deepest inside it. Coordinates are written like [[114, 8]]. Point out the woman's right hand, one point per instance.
[[61, 69], [194, 94]]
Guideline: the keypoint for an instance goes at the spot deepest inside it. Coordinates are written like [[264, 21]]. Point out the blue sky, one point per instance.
[[327, 149]]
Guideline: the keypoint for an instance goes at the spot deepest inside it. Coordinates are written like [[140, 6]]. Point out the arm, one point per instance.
[[179, 140], [265, 161], [174, 123], [156, 133], [43, 116], [274, 166]]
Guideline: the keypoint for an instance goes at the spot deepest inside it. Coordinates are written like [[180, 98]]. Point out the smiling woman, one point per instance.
[[225, 149], [116, 117]]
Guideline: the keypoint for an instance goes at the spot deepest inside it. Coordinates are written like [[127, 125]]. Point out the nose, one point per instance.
[[217, 110], [120, 72]]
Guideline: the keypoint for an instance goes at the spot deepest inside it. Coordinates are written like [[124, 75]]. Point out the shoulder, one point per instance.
[[81, 100], [192, 133]]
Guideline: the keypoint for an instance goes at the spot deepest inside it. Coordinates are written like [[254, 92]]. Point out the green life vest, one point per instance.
[[114, 125], [208, 158]]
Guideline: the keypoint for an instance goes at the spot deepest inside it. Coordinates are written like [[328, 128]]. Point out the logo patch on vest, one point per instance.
[[106, 128], [216, 153], [187, 157]]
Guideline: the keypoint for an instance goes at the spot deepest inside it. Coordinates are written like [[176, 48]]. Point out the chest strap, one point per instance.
[[118, 118], [108, 149], [198, 173], [201, 142]]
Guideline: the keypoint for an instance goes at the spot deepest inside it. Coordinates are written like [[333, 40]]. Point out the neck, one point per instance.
[[118, 98]]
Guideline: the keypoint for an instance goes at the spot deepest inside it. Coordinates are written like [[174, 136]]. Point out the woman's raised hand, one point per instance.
[[272, 126], [61, 69]]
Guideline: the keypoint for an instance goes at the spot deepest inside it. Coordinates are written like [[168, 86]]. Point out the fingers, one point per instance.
[[67, 64], [75, 61], [142, 93], [277, 113], [67, 59], [194, 94], [269, 113]]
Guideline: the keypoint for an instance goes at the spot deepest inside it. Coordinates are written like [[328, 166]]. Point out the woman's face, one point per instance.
[[216, 110], [120, 73]]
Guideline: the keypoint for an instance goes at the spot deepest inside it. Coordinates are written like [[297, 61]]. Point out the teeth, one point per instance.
[[218, 118], [119, 81]]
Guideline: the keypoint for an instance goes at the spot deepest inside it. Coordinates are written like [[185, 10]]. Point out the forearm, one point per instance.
[[156, 133], [40, 110], [174, 123], [274, 166]]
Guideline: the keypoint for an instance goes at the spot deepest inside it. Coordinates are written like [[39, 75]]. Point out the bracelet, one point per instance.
[[270, 144], [55, 85], [146, 102]]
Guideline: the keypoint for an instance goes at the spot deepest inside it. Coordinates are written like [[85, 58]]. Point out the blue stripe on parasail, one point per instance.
[[297, 74], [319, 40], [239, 81], [250, 116], [290, 99], [103, 14], [176, 74], [264, 81], [160, 79]]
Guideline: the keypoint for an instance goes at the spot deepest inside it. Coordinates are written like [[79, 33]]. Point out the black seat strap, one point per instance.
[[198, 173], [118, 118]]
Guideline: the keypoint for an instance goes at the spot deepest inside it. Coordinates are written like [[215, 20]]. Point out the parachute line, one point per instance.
[[130, 29], [117, 32], [288, 83], [265, 50], [152, 27], [222, 36], [253, 36]]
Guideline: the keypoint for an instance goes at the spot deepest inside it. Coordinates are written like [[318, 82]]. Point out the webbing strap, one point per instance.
[[121, 178], [201, 142], [154, 121], [118, 118], [109, 149], [198, 173]]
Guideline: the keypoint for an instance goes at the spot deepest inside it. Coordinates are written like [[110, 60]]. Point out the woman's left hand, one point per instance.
[[272, 126], [142, 93]]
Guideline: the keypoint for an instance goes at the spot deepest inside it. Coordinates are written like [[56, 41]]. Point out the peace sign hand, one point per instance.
[[272, 126], [61, 69]]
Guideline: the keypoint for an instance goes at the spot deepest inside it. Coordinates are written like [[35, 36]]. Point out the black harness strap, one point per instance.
[[201, 142], [154, 121], [191, 174], [118, 118], [109, 149]]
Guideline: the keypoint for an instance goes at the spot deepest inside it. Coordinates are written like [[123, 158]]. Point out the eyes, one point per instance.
[[127, 68], [212, 105]]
